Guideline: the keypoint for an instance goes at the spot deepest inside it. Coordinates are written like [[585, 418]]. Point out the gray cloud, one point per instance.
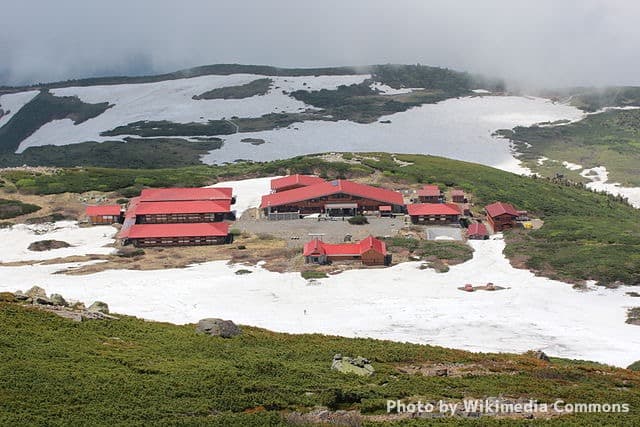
[[543, 43]]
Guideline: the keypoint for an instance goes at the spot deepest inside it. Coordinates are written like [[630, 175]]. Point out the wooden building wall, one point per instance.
[[182, 241], [307, 207]]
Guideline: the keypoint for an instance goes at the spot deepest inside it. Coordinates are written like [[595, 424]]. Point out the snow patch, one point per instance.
[[571, 166], [248, 192], [599, 177], [388, 90], [13, 102], [83, 240], [481, 91]]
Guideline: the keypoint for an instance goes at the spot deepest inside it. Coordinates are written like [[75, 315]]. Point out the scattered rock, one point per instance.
[[243, 271], [99, 307], [42, 300], [358, 365], [57, 299], [46, 245], [78, 306], [218, 328], [253, 141], [36, 291], [20, 296]]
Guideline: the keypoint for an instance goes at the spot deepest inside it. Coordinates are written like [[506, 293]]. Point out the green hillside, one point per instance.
[[59, 372]]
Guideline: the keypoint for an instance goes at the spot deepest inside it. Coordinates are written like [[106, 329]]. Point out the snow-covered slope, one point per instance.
[[13, 102], [172, 100]]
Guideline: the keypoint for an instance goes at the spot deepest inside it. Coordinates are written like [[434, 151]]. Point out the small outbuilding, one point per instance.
[[457, 196], [477, 231], [501, 216], [369, 251], [434, 213], [430, 194], [104, 214]]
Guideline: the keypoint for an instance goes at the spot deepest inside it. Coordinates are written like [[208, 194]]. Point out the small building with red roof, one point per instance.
[[369, 251], [290, 182], [104, 214], [429, 194], [457, 196], [477, 231], [209, 233], [339, 197], [501, 216], [434, 213]]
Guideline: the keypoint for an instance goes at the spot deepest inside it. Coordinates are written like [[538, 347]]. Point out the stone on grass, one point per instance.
[[100, 307], [218, 328]]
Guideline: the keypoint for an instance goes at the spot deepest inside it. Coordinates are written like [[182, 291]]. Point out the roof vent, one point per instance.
[[334, 182]]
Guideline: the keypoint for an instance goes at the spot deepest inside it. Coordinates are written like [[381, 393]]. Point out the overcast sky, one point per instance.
[[541, 42]]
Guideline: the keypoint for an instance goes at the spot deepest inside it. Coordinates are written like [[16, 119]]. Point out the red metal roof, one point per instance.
[[477, 228], [183, 194], [297, 179], [429, 190], [433, 209], [329, 188], [457, 192], [500, 208], [100, 210], [344, 249], [200, 229], [185, 207]]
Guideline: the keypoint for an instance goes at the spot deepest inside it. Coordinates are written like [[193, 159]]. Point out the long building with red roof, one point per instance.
[[441, 213], [501, 216], [191, 216], [369, 251], [207, 233], [339, 197]]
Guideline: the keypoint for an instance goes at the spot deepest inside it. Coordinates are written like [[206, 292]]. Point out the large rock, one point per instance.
[[36, 291], [7, 297], [57, 299], [47, 245], [99, 307], [20, 296], [347, 365], [218, 328]]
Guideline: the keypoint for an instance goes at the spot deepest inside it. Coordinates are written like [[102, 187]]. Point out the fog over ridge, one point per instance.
[[543, 43]]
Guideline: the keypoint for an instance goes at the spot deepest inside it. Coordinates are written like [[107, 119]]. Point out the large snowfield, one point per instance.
[[401, 303]]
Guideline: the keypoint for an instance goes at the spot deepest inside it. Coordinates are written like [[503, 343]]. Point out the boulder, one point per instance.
[[347, 365], [36, 291], [47, 245], [20, 296], [42, 300], [218, 328], [99, 306], [57, 299], [78, 305]]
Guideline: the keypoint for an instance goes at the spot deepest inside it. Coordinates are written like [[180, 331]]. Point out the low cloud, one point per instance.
[[544, 43]]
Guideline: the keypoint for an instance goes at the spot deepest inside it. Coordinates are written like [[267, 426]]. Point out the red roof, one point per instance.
[[103, 210], [183, 194], [457, 192], [429, 190], [292, 180], [477, 228], [500, 208], [344, 249], [329, 188], [199, 229], [433, 209], [185, 207]]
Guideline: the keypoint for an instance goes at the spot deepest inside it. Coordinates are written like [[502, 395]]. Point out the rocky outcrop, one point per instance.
[[37, 297], [99, 307], [347, 365], [218, 328]]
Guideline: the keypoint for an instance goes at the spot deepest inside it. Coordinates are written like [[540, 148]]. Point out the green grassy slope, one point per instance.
[[610, 139], [254, 88], [585, 235], [132, 372]]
